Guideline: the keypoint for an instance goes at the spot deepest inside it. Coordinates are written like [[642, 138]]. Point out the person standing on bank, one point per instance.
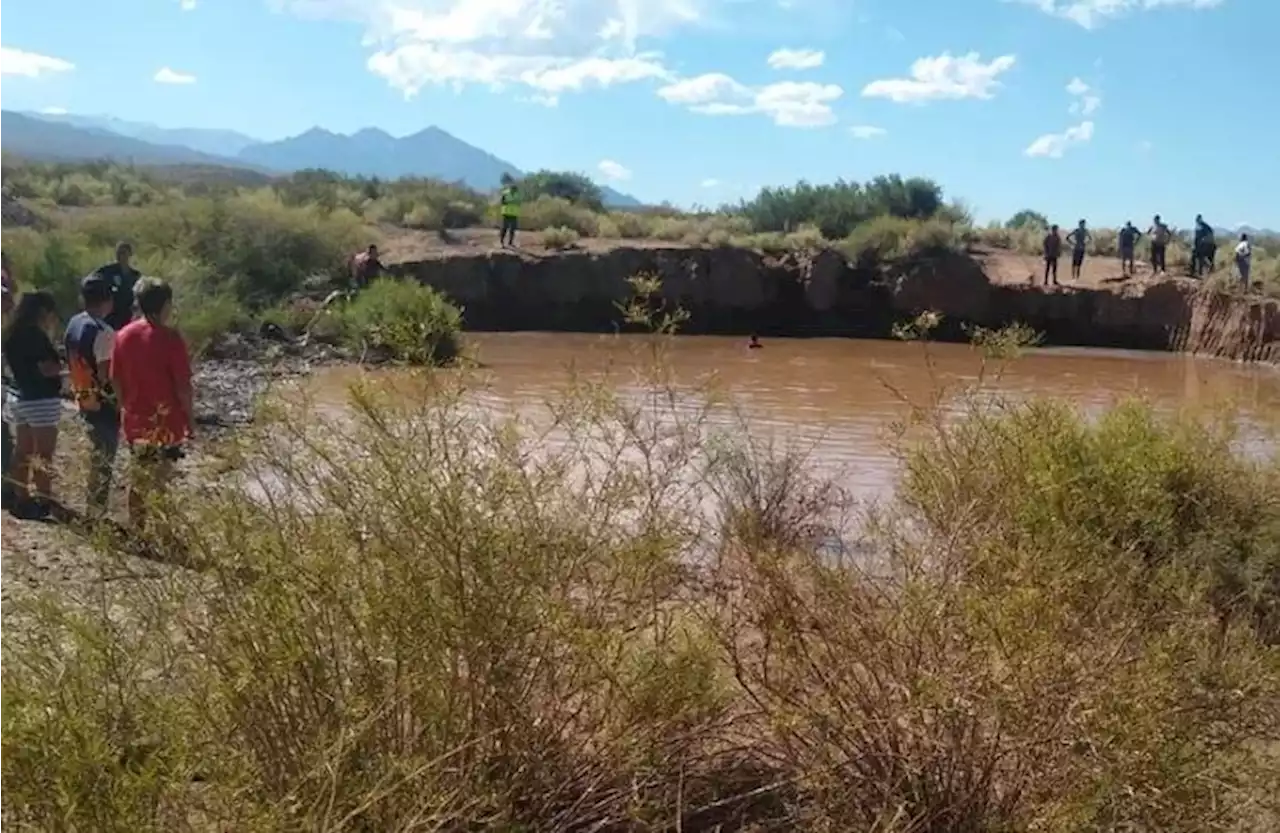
[[89, 341], [1052, 251], [151, 373], [1079, 239], [1159, 234], [122, 277], [1204, 248], [509, 206], [1128, 243], [37, 378], [1244, 260]]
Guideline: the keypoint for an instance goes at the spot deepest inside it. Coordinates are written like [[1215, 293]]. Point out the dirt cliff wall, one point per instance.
[[730, 291]]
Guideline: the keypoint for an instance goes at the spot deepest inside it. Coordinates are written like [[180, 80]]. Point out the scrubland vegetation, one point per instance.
[[235, 249], [616, 617], [420, 615]]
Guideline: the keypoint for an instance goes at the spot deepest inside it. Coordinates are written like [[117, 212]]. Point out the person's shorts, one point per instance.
[[152, 453], [1077, 257], [1126, 253], [37, 413]]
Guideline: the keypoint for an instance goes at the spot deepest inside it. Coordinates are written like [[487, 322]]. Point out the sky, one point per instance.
[[1104, 109]]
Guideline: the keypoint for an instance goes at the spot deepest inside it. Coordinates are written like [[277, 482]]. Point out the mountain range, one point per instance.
[[431, 152]]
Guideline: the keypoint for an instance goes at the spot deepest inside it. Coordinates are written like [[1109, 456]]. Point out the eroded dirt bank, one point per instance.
[[808, 294]]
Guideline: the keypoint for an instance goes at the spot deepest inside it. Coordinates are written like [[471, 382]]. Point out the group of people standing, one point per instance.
[[128, 371], [1204, 249]]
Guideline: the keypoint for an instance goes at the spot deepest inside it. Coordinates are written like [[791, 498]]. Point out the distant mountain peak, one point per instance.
[[431, 152]]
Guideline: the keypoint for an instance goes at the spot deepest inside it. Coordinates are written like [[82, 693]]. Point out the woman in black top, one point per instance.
[[37, 379]]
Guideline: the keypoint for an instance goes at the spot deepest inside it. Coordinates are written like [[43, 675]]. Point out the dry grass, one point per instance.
[[422, 616]]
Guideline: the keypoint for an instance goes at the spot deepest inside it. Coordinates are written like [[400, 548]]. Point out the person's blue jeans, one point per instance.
[[104, 441], [1242, 265]]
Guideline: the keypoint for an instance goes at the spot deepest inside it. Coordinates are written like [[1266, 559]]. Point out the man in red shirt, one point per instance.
[[151, 373]]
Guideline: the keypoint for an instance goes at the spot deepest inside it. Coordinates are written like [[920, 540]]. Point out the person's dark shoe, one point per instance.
[[30, 510]]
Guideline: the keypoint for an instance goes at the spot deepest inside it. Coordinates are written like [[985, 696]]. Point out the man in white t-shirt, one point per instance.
[[1244, 258]]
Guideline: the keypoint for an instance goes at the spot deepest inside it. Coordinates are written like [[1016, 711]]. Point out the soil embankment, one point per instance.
[[729, 290]]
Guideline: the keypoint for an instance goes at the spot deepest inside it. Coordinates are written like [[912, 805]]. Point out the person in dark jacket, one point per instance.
[[122, 277], [1204, 249], [1052, 251], [89, 340], [37, 378]]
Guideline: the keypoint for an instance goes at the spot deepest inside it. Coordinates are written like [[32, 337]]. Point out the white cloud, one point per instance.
[[943, 77], [710, 183], [1091, 14], [867, 131], [797, 59], [1054, 145], [788, 103], [547, 47], [1087, 100], [614, 170], [187, 5], [164, 75], [30, 64], [703, 89], [54, 111]]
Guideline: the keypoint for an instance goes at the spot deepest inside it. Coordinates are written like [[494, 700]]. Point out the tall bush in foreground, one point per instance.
[[616, 615]]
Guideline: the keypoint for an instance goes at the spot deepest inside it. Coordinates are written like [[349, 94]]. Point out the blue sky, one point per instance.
[[1107, 109]]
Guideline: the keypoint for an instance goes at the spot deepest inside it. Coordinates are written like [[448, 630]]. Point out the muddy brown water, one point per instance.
[[839, 397]]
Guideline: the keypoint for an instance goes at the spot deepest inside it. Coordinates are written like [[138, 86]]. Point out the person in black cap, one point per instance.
[[88, 341], [122, 277]]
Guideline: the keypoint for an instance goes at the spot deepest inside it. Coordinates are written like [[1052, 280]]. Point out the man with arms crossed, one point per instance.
[[123, 278], [151, 373]]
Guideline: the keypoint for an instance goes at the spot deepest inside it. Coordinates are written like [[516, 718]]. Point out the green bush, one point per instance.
[[555, 212], [410, 322], [837, 208], [570, 187], [559, 238], [630, 225], [261, 247]]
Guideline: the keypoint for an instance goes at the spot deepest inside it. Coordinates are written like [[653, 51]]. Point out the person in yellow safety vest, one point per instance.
[[510, 209]]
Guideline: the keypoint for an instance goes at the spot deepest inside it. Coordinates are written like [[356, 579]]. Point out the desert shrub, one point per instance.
[[607, 227], [671, 229], [555, 212], [562, 185], [1027, 219], [837, 208], [719, 237], [259, 246], [54, 260], [806, 237], [1032, 638], [408, 321], [559, 238], [423, 217], [630, 225]]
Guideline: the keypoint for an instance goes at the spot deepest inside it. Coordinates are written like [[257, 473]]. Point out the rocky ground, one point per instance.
[[47, 556]]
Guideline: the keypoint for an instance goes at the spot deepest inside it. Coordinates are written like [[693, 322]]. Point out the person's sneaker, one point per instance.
[[30, 510]]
